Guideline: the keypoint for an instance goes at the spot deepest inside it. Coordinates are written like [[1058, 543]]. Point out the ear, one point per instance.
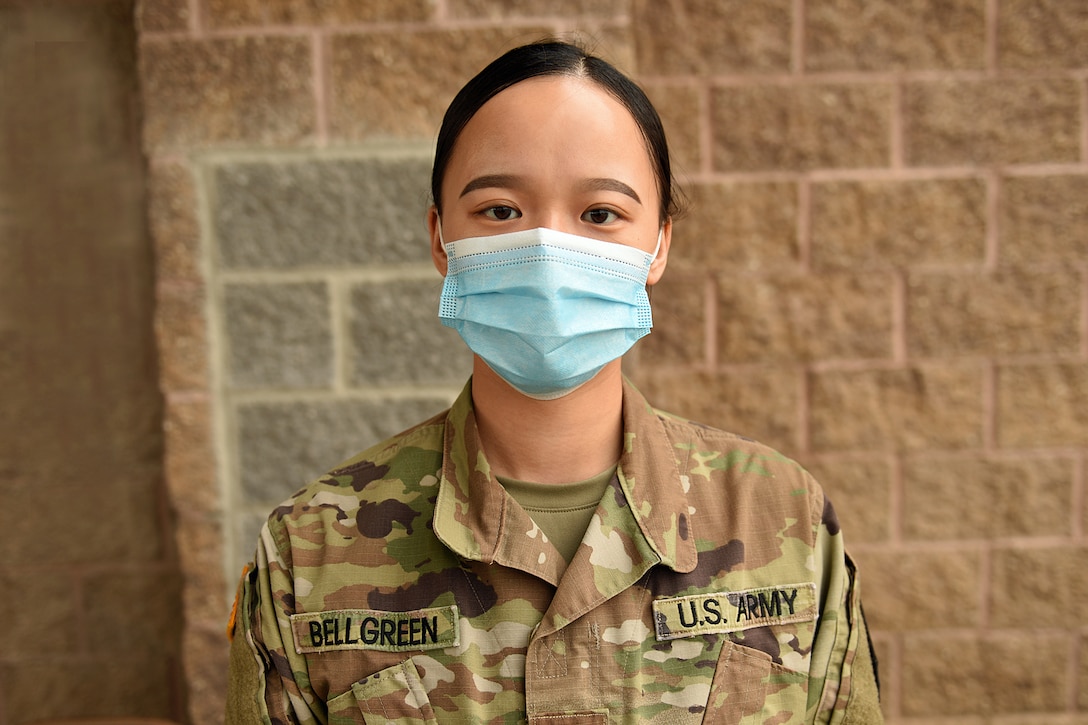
[[658, 267], [438, 254]]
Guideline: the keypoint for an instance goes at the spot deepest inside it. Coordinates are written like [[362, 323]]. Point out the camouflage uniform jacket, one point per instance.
[[407, 587]]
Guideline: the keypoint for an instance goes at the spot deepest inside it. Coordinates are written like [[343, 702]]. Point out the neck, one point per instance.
[[549, 441]]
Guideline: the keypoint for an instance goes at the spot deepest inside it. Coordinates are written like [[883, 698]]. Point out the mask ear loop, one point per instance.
[[657, 248], [438, 221]]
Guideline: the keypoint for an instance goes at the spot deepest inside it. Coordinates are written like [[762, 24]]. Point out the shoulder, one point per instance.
[[394, 474]]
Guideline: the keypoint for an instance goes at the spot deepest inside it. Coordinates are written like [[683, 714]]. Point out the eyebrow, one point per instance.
[[510, 181]]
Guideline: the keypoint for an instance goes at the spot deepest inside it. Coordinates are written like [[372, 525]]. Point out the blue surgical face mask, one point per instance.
[[544, 309]]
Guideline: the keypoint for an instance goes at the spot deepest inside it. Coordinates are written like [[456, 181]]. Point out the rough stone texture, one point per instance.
[[318, 213], [283, 446], [746, 37], [227, 91], [784, 318], [280, 335], [398, 84], [997, 674], [898, 223], [679, 310], [681, 115], [860, 491], [758, 403], [969, 498], [189, 457], [1043, 219], [800, 127], [172, 216], [899, 409], [234, 13], [495, 9], [396, 337], [1042, 405], [737, 228], [181, 334], [162, 15], [1004, 121], [889, 35], [1008, 313], [894, 601], [206, 657], [1042, 34], [1055, 575]]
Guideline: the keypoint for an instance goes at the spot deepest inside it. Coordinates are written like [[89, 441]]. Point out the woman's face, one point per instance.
[[556, 152]]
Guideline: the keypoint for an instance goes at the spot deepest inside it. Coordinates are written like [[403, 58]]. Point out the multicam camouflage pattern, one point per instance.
[[407, 587]]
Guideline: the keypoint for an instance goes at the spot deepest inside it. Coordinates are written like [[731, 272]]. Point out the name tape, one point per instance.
[[725, 612], [341, 629]]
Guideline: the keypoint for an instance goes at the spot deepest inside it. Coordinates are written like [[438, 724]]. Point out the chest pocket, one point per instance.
[[749, 689], [394, 695]]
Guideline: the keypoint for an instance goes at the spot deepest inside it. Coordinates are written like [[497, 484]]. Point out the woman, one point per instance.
[[552, 549]]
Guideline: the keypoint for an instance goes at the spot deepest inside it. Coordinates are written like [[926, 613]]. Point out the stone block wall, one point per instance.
[[883, 272]]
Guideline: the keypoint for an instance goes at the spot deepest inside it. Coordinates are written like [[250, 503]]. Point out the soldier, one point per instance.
[[551, 549]]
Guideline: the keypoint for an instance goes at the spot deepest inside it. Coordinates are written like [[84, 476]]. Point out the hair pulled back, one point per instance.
[[554, 58]]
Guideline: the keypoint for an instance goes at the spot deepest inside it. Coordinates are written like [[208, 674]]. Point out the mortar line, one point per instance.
[[1084, 120], [220, 410], [710, 324], [1084, 312], [1079, 502]]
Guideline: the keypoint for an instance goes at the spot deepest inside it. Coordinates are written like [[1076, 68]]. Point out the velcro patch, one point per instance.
[[340, 629], [725, 612]]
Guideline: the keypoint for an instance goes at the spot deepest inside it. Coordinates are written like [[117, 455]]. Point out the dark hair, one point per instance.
[[554, 58]]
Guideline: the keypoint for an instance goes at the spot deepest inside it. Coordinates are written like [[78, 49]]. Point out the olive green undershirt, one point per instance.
[[561, 510]]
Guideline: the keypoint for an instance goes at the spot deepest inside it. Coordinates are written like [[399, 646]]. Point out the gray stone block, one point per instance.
[[315, 212], [283, 446], [279, 335], [396, 337]]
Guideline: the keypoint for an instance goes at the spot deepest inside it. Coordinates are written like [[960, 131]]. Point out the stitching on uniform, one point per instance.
[[560, 664]]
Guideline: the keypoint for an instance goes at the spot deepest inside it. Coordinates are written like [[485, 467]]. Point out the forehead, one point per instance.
[[552, 124]]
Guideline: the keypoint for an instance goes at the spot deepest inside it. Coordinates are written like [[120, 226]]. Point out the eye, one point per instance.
[[501, 213], [600, 216]]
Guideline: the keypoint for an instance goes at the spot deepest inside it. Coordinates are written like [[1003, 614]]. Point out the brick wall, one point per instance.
[[883, 272]]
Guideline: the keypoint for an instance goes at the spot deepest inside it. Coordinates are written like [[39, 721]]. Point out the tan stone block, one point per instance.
[[496, 9], [243, 90], [912, 590], [1082, 683], [861, 494], [206, 656], [692, 37], [162, 15], [172, 209], [681, 115], [1043, 219], [234, 13], [181, 332], [679, 303], [200, 544], [957, 498], [737, 227], [190, 457], [761, 404], [898, 223], [1015, 311], [905, 35], [398, 84], [900, 409], [995, 674], [1042, 34], [784, 318], [795, 127], [991, 121], [1042, 405], [1054, 577]]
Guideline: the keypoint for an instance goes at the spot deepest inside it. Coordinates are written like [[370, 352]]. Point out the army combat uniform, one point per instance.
[[407, 586]]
